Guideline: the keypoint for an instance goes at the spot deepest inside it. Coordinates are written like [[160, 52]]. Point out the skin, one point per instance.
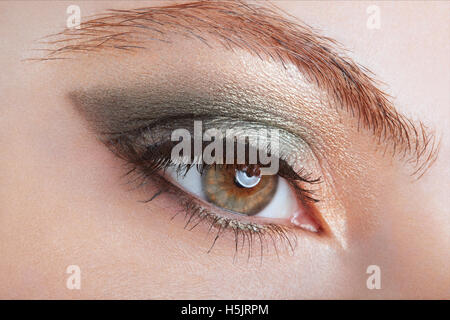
[[64, 202]]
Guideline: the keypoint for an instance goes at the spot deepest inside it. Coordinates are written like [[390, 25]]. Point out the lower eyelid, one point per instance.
[[246, 233], [301, 219], [281, 236]]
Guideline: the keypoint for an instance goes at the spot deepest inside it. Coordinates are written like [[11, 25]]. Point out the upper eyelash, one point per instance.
[[156, 157]]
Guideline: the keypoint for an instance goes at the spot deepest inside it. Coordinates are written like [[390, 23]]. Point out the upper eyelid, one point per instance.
[[113, 115], [269, 36], [290, 144], [141, 109]]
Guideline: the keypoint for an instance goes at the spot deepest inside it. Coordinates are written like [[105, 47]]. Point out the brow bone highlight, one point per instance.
[[265, 33]]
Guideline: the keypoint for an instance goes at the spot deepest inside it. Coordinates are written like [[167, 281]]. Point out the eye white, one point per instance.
[[191, 181]]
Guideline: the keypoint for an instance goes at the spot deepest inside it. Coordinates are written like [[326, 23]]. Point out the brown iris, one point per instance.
[[224, 190]]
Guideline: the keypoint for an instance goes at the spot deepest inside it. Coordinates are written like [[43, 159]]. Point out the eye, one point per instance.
[[260, 179], [244, 192]]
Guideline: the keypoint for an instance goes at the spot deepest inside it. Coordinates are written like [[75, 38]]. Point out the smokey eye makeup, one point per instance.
[[228, 197]]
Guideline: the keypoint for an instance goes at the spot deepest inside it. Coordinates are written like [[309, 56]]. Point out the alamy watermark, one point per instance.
[[73, 281], [374, 280], [74, 19], [230, 146], [374, 18]]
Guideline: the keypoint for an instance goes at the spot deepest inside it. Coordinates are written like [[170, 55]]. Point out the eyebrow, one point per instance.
[[267, 34]]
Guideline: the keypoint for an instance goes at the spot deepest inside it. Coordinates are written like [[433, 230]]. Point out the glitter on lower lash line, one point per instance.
[[302, 222]]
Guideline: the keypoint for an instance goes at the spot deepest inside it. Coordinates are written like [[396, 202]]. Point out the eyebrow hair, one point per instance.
[[267, 34]]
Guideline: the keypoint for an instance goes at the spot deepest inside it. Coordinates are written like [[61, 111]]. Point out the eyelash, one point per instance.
[[148, 165]]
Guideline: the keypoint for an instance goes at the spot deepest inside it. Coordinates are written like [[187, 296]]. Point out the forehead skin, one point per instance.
[[47, 222]]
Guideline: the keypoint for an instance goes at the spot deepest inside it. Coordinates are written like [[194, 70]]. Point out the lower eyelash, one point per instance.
[[246, 234]]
